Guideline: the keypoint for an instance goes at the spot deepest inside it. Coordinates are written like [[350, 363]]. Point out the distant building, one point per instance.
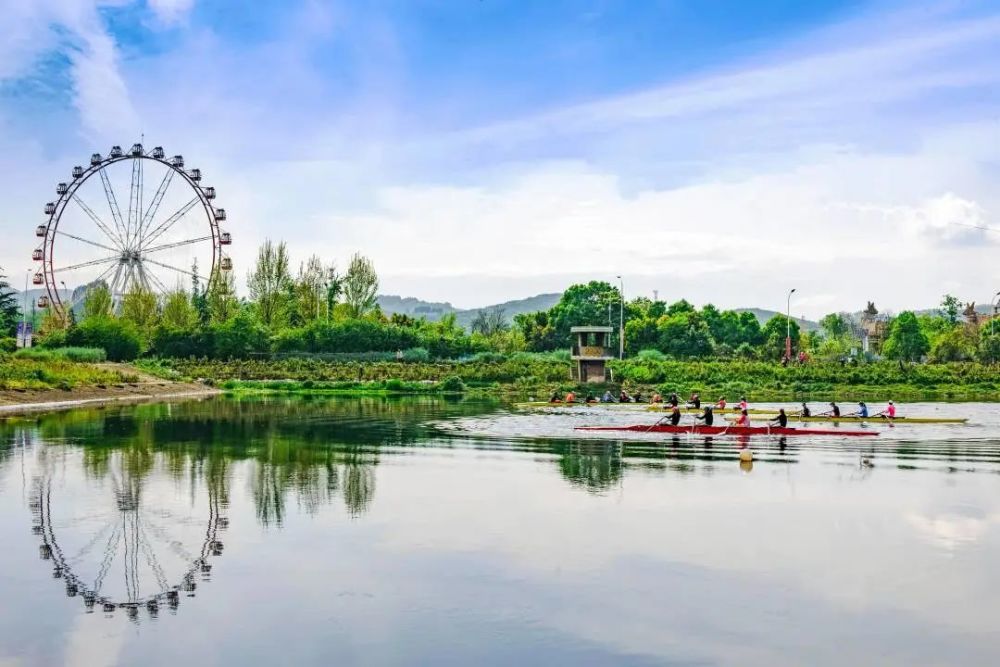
[[873, 329], [590, 353]]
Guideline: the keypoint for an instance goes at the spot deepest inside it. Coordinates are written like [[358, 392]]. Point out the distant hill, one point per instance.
[[434, 311], [763, 316]]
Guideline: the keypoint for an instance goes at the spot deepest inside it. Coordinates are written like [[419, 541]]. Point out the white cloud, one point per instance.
[[170, 12]]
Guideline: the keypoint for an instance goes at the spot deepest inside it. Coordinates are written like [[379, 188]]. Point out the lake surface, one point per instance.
[[380, 531]]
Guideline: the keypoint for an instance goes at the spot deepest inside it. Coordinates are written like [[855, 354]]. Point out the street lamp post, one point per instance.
[[24, 311], [788, 326], [621, 318]]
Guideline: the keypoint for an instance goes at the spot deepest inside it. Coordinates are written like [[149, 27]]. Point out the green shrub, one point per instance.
[[452, 385], [8, 344], [119, 339]]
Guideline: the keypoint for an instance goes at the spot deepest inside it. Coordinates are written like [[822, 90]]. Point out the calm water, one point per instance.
[[384, 532]]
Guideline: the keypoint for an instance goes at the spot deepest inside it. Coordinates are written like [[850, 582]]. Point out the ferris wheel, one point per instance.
[[157, 243]]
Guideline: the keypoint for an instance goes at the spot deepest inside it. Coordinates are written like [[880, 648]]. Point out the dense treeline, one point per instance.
[[322, 312]]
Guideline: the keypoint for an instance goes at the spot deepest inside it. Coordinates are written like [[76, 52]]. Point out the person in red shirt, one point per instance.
[[744, 419], [721, 403], [570, 398], [889, 412], [743, 403]]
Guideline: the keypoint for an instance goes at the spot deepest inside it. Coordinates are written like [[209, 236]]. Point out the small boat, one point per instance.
[[696, 429], [858, 420], [530, 405]]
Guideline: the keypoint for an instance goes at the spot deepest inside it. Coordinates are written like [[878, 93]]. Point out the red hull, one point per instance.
[[727, 430]]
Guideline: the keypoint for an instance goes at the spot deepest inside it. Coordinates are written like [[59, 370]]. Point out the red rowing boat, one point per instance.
[[696, 429]]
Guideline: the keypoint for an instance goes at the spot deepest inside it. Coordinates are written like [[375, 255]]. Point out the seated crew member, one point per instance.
[[862, 410], [607, 398], [834, 410], [570, 397], [744, 419], [623, 397], [554, 398], [694, 401], [673, 400], [637, 397], [707, 415], [890, 411], [721, 403], [743, 403], [781, 420], [591, 398], [805, 412], [675, 416], [656, 398]]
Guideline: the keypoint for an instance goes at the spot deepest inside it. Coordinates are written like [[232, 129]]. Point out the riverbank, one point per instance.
[[65, 386], [524, 375]]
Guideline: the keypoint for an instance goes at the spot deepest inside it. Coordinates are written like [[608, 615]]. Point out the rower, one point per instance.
[[638, 397], [675, 416], [721, 403], [834, 410], [890, 411], [862, 410], [570, 397], [607, 398], [805, 412], [656, 398], [623, 397], [674, 401], [591, 398], [781, 420], [744, 419], [554, 398], [743, 403], [694, 401], [707, 415]]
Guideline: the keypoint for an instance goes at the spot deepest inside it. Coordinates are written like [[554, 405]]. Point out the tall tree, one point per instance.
[[834, 325], [97, 304], [268, 283], [178, 313], [951, 307], [906, 341], [9, 311], [360, 286], [490, 321], [223, 305], [140, 308], [309, 289]]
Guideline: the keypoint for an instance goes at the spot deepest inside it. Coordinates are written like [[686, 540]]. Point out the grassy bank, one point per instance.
[[22, 374], [538, 375]]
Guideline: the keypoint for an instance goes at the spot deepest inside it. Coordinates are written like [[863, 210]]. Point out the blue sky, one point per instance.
[[480, 150]]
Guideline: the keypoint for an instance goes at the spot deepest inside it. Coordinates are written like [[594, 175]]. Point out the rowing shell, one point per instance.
[[655, 407], [859, 420], [727, 430]]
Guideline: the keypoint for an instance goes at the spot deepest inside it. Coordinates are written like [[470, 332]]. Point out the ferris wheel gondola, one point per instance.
[[98, 238]]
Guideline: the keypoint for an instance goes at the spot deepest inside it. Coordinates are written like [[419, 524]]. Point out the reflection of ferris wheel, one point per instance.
[[125, 556], [129, 244]]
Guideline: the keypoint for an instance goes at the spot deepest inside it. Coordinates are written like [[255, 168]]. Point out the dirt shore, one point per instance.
[[146, 388]]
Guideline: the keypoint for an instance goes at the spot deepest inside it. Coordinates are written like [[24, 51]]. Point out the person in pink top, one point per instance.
[[890, 411], [743, 403]]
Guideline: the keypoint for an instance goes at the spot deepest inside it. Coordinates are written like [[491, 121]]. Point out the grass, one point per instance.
[[20, 374], [79, 354]]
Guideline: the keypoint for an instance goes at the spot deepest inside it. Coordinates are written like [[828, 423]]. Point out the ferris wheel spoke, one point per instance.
[[172, 268], [93, 262], [97, 221], [159, 283], [151, 560], [154, 205], [110, 549], [83, 294], [83, 240], [116, 214], [168, 246], [170, 221], [134, 203]]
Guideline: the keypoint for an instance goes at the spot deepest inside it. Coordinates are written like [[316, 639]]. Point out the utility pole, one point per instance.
[[788, 325], [621, 318], [24, 311]]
